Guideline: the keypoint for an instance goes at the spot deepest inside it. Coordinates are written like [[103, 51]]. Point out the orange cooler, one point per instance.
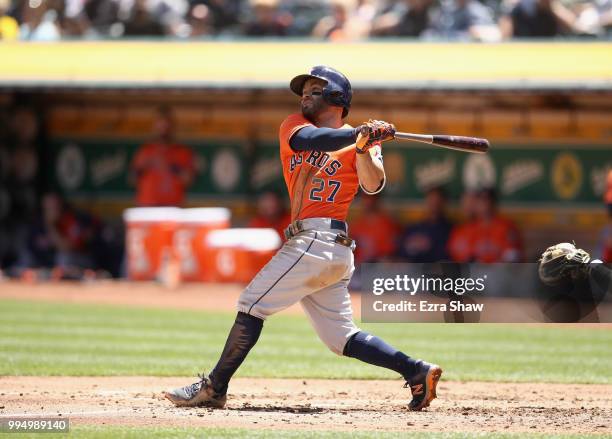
[[190, 243], [149, 237], [236, 255]]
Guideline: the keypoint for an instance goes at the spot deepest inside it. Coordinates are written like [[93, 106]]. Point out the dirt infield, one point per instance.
[[316, 404], [288, 404]]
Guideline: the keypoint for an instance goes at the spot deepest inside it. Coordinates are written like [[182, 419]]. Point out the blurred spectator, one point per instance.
[[374, 230], [605, 252], [224, 13], [59, 239], [463, 19], [406, 18], [266, 20], [489, 237], [162, 170], [335, 20], [271, 213], [426, 241], [142, 22], [305, 15], [346, 22], [9, 28], [75, 26], [103, 17], [498, 238], [604, 8], [200, 21], [462, 235], [536, 19], [592, 18], [40, 21]]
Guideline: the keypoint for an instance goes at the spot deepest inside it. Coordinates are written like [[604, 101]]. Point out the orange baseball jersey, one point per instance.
[[485, 242], [157, 181], [460, 245], [497, 241], [320, 184], [376, 233]]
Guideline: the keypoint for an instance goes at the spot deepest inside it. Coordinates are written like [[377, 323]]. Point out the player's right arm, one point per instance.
[[299, 134]]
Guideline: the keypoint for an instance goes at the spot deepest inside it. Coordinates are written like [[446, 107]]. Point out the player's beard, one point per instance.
[[313, 110]]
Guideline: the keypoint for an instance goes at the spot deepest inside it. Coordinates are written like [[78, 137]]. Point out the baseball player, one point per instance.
[[325, 161]]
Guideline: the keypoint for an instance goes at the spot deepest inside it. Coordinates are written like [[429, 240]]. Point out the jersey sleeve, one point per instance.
[[288, 128]]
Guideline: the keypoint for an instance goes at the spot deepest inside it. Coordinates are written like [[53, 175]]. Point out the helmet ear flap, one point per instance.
[[334, 97]]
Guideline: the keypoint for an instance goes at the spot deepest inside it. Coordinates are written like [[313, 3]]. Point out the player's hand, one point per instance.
[[373, 132], [363, 135]]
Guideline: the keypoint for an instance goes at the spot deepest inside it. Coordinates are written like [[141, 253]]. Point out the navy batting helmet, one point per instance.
[[337, 90]]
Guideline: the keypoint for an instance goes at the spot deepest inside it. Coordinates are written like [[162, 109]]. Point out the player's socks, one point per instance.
[[371, 349], [241, 339]]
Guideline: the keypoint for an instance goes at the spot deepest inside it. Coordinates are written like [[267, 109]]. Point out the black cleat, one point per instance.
[[423, 385], [199, 394]]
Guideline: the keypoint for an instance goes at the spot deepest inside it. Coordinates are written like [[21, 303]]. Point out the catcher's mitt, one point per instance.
[[376, 131], [562, 262]]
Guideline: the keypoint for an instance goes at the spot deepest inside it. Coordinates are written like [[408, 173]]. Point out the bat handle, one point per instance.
[[425, 138]]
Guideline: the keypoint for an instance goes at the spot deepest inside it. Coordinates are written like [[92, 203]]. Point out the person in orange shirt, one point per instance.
[[461, 241], [325, 161], [488, 237], [497, 238], [375, 231], [162, 169], [271, 213]]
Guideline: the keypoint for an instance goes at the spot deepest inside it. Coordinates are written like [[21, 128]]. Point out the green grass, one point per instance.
[[220, 433], [68, 339]]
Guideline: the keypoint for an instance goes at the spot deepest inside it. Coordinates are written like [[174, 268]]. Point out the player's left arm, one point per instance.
[[370, 170], [369, 162]]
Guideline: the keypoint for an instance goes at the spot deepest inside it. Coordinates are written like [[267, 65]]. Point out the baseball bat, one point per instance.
[[458, 143]]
